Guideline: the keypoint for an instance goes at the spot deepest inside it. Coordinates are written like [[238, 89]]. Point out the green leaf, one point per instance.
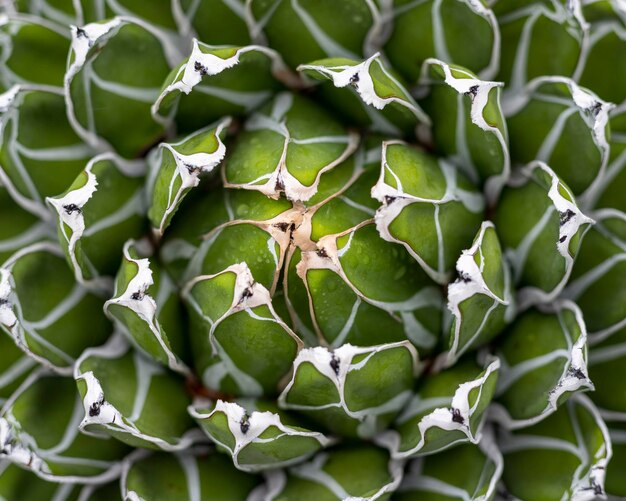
[[17, 483], [49, 316], [481, 299], [462, 32], [175, 169], [555, 121], [305, 30], [429, 207], [544, 362], [33, 51], [286, 147], [379, 100], [351, 390], [218, 21], [219, 80], [138, 315], [366, 291], [109, 108], [468, 124], [198, 473], [257, 435], [540, 227], [358, 471], [241, 346], [539, 38], [96, 215], [132, 399], [40, 154], [562, 457], [41, 434], [470, 472], [447, 409]]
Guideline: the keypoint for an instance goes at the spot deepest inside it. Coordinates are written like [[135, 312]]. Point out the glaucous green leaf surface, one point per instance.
[[147, 309], [468, 127], [544, 361], [448, 408], [555, 121], [240, 345], [132, 399], [563, 457], [199, 474], [41, 434], [378, 99], [349, 472], [97, 213], [49, 316], [540, 228], [256, 434], [216, 81], [286, 147], [110, 109], [33, 51], [352, 391], [481, 299], [40, 153], [467, 471], [428, 206], [462, 32], [174, 169]]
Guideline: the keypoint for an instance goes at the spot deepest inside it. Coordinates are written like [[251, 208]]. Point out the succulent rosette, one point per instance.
[[309, 249]]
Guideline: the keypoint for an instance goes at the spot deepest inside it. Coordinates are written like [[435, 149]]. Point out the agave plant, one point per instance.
[[310, 249]]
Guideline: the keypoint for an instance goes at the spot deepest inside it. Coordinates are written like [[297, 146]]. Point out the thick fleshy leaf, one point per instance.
[[175, 169], [606, 52], [286, 147], [351, 390], [365, 291], [544, 362], [468, 126], [41, 434], [32, 51], [539, 37], [597, 287], [219, 80], [257, 434], [360, 472], [463, 32], [40, 154], [563, 457], [48, 315], [447, 409], [433, 220], [481, 299], [163, 14], [97, 213], [212, 231], [378, 100], [15, 366], [610, 191], [469, 472], [615, 481], [25, 228], [240, 345], [541, 228], [110, 108], [62, 12], [306, 30], [156, 328], [18, 483], [132, 399], [555, 121], [217, 21], [196, 474]]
